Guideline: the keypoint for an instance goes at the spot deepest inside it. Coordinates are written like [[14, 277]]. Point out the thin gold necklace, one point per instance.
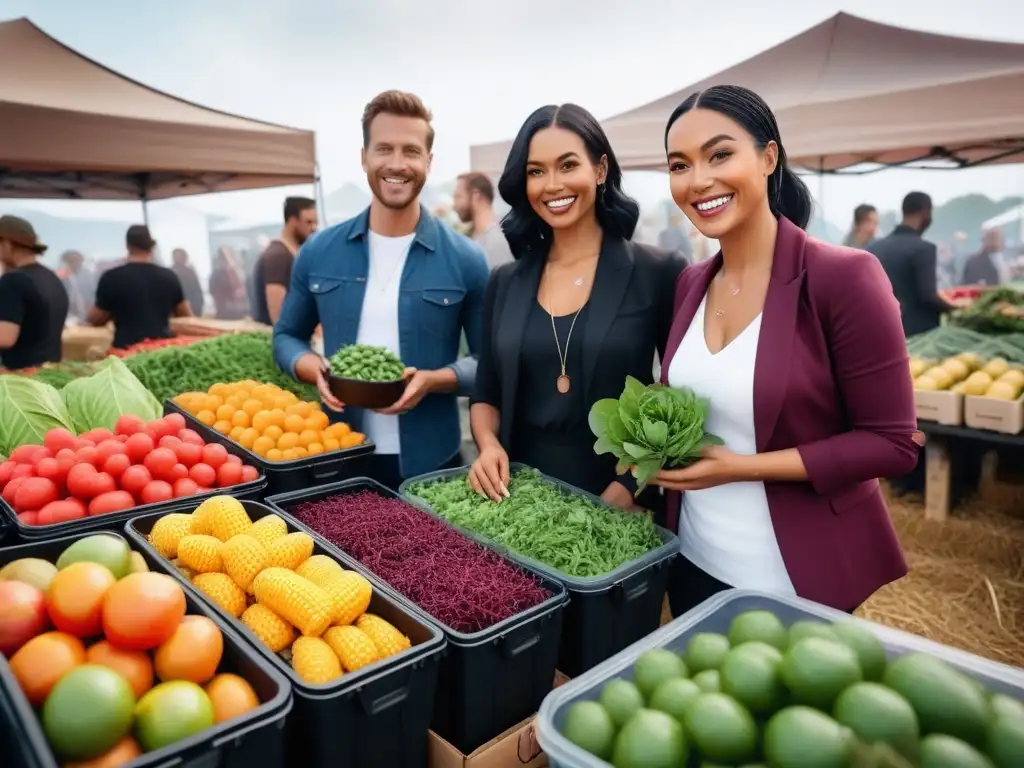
[[563, 383]]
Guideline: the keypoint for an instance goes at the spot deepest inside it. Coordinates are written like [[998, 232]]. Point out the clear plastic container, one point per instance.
[[605, 613], [715, 615]]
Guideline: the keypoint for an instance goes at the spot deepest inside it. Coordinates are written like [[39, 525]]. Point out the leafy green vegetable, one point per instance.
[[570, 533], [28, 410], [651, 427], [96, 401]]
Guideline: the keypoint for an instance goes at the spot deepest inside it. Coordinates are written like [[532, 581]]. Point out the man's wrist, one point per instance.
[[441, 380]]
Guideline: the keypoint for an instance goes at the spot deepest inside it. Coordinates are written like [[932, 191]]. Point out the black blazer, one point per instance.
[[980, 270], [629, 316], [909, 262]]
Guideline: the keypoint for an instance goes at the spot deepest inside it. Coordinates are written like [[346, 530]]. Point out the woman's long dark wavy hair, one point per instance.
[[787, 194], [526, 232]]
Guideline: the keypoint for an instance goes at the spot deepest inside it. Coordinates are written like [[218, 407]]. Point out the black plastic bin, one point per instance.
[[294, 475], [605, 613], [378, 716], [489, 680], [13, 531], [257, 738]]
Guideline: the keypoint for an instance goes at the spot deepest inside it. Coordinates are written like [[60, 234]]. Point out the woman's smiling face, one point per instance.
[[561, 180], [717, 174]]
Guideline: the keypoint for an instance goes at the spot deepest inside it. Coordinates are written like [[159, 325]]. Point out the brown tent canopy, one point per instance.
[[71, 128], [850, 92]]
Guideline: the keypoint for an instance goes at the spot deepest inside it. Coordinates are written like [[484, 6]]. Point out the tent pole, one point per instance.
[[145, 212], [318, 192]]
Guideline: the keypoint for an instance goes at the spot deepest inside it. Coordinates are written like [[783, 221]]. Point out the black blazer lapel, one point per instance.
[[509, 327], [614, 268]]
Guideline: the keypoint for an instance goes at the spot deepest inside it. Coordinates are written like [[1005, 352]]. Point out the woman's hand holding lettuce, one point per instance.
[[30, 408], [651, 427]]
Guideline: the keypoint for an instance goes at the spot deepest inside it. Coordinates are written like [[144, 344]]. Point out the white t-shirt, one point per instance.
[[378, 323], [727, 530]]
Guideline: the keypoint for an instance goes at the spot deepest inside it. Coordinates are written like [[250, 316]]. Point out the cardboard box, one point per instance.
[[515, 748], [1006, 416], [941, 407], [83, 343]]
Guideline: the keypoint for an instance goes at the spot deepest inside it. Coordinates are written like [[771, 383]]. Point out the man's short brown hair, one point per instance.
[[397, 103], [478, 182]]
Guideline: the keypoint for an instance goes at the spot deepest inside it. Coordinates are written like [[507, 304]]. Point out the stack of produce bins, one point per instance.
[[491, 678], [767, 675], [292, 475], [605, 613], [255, 738], [376, 715]]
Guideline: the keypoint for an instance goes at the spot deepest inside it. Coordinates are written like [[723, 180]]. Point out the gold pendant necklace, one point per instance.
[[563, 383]]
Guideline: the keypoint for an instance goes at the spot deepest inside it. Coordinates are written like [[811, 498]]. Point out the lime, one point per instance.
[[650, 739], [171, 712], [941, 751], [708, 681], [588, 726], [107, 549], [801, 737], [706, 650], [798, 630], [721, 729], [88, 712], [945, 700], [655, 667], [621, 699], [879, 714], [1005, 706], [751, 676], [758, 625], [674, 696], [869, 649], [769, 652], [816, 671], [1005, 744]]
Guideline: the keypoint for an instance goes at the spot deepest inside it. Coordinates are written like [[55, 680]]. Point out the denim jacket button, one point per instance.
[[446, 301], [316, 286]]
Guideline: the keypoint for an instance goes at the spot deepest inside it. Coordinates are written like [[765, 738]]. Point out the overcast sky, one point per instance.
[[481, 65]]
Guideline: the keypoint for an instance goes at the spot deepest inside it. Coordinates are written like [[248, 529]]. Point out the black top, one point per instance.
[[33, 298], [274, 267], [909, 262], [190, 286], [980, 270], [140, 297], [626, 321]]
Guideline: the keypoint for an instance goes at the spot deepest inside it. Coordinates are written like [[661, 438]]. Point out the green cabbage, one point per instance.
[[651, 427], [96, 401], [28, 410]]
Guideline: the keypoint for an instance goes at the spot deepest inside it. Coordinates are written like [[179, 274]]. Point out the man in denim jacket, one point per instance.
[[393, 277]]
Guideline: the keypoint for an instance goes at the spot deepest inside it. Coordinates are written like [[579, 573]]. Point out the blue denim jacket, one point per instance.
[[441, 294]]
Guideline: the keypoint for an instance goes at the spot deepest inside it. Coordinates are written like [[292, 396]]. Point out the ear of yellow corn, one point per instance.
[[168, 531], [318, 567], [352, 646], [227, 516], [351, 593], [290, 551], [222, 589], [243, 558], [384, 635], [268, 529], [273, 631], [200, 553], [314, 661], [298, 601]]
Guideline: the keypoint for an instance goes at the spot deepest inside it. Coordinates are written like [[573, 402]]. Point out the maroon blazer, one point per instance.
[[831, 379]]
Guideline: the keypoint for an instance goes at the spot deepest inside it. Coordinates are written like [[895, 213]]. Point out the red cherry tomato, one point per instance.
[[249, 473], [89, 455], [29, 518], [188, 453], [61, 512], [129, 425], [185, 486], [229, 474], [175, 420], [7, 471], [108, 448], [169, 441], [157, 491], [214, 454], [204, 475], [23, 470], [97, 436], [52, 470], [160, 463], [134, 479], [139, 445], [29, 454], [11, 489], [160, 428], [59, 438], [191, 436], [178, 472], [111, 501], [116, 465], [34, 494], [80, 481]]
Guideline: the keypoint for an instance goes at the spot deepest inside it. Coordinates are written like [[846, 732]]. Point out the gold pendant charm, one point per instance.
[[563, 384]]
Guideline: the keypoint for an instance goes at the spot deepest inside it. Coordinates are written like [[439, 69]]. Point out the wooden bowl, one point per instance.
[[366, 394]]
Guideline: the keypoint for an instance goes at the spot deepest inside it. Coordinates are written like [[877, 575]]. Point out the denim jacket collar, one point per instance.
[[426, 228]]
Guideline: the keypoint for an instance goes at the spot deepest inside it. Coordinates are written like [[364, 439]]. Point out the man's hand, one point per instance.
[[418, 384], [324, 388], [619, 496]]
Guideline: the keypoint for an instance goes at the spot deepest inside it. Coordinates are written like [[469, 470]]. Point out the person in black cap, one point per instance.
[[33, 302], [139, 296]]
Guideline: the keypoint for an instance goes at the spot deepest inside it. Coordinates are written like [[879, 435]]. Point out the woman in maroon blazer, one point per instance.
[[798, 346]]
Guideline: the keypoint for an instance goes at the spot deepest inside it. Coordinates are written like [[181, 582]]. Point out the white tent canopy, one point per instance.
[[850, 92]]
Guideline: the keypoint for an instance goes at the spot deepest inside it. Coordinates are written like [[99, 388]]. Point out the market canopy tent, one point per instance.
[[850, 92], [71, 128]]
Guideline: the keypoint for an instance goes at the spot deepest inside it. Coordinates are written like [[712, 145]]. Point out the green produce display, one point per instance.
[[997, 311], [197, 367], [570, 533], [949, 341], [365, 363], [650, 427], [59, 375], [812, 697]]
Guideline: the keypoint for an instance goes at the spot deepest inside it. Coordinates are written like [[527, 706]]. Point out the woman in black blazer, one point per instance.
[[579, 310]]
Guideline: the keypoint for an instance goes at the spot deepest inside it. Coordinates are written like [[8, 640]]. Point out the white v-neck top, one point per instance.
[[727, 531]]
